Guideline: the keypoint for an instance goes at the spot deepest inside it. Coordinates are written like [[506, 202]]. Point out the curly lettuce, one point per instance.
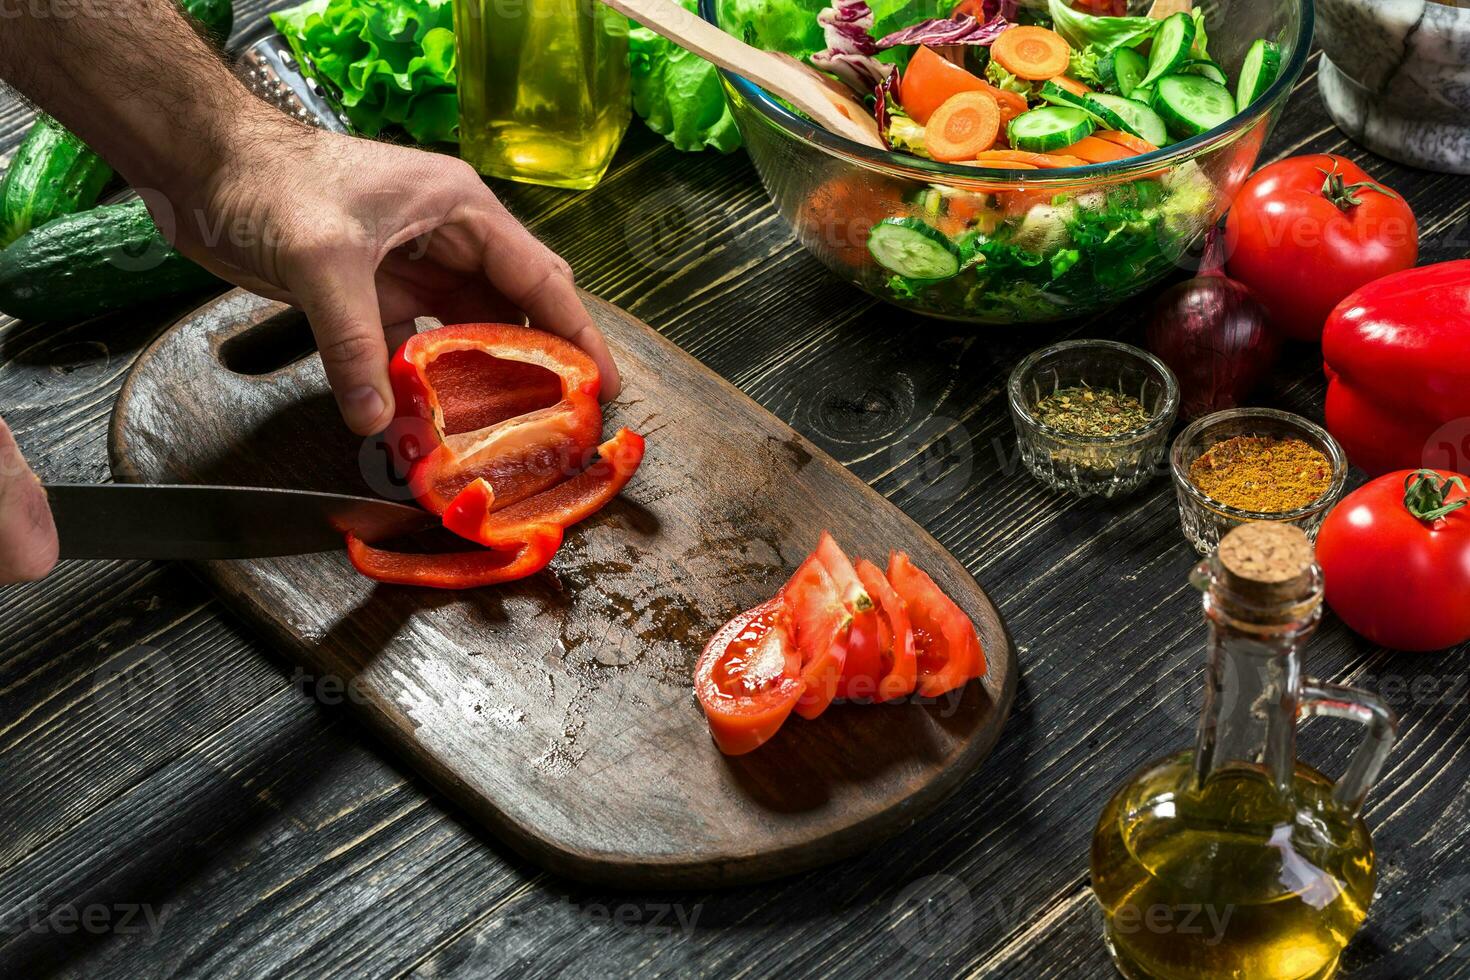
[[678, 94], [389, 62], [1106, 33]]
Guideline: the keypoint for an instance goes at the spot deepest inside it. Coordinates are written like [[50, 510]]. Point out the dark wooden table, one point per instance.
[[176, 799]]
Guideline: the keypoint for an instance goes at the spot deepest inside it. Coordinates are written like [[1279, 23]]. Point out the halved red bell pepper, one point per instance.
[[475, 513], [457, 570], [509, 405]]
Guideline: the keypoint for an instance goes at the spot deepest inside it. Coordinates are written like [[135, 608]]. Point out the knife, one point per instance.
[[139, 520]]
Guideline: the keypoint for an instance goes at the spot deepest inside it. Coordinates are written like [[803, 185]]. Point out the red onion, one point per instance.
[[1215, 335]]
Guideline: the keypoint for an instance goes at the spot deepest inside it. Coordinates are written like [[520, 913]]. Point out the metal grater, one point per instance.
[[269, 69]]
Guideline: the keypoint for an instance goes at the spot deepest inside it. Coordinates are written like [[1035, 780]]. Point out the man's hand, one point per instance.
[[363, 235], [27, 533], [360, 235]]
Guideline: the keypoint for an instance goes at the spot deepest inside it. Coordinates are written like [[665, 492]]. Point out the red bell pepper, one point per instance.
[[457, 570], [513, 423], [513, 406], [473, 513], [1397, 355]]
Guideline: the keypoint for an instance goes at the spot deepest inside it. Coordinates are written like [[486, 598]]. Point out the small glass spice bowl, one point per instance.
[[1103, 465], [1206, 520]]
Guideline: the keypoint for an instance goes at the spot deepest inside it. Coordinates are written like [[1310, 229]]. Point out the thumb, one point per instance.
[[27, 532], [340, 298]]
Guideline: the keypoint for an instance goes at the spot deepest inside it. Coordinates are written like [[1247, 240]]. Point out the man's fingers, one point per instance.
[[532, 276], [340, 297], [27, 532]]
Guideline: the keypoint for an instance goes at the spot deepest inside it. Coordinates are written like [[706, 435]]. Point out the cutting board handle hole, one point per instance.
[[272, 344]]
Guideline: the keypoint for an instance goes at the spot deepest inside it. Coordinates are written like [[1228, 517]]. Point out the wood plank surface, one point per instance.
[[558, 710], [154, 752]]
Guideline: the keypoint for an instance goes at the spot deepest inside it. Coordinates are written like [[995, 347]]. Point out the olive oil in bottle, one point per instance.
[[543, 88], [1234, 860]]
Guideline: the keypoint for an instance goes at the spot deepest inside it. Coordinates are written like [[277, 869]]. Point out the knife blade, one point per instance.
[[139, 520]]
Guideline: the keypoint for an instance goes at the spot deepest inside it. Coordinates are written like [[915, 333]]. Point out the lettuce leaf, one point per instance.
[[678, 94], [777, 25], [389, 62], [1108, 33]]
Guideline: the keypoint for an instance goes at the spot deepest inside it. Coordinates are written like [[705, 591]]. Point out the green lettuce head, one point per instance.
[[389, 62]]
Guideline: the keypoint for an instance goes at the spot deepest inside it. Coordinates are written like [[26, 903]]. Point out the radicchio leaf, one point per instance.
[[886, 94], [963, 29], [847, 26]]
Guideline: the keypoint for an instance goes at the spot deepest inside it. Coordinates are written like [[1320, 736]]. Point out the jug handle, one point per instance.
[[1368, 710]]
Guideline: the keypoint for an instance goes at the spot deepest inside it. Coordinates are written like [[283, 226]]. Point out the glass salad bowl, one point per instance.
[[1037, 245]]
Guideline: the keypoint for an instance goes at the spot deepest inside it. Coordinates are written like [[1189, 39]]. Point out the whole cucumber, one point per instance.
[[109, 258], [52, 173]]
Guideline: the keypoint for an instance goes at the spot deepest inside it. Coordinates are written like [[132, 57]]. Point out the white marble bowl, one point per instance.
[[1396, 78]]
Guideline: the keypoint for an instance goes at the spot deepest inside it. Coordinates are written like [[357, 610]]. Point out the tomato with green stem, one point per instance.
[[1395, 558], [1306, 232]]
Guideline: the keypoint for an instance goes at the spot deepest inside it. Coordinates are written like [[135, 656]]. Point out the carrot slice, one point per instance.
[[1126, 140], [966, 124], [1002, 164], [1032, 53], [1095, 150], [1071, 85], [1041, 161]]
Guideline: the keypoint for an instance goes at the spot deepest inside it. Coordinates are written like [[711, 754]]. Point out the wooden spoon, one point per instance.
[[828, 103]]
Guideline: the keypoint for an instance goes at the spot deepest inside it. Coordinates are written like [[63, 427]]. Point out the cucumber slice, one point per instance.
[[1049, 128], [1262, 66], [1144, 94], [1104, 117], [1140, 119], [912, 249], [1056, 95], [1171, 47], [1192, 104], [1129, 69], [1206, 69]]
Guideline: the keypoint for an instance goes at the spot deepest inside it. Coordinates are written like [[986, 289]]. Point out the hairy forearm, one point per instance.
[[135, 81]]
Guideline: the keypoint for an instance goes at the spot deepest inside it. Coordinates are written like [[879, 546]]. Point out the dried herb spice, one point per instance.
[[1087, 411], [1264, 474]]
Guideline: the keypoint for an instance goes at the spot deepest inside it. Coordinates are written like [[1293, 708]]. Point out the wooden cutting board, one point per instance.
[[559, 710]]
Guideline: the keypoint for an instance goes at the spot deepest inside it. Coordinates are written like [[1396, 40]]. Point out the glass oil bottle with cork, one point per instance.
[[1234, 859]]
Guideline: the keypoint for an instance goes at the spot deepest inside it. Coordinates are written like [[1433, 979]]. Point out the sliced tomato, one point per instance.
[[946, 648], [837, 564], [897, 635], [822, 623], [748, 678]]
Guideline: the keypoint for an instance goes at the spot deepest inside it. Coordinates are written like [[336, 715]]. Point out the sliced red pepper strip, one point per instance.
[[473, 514], [457, 570], [510, 405]]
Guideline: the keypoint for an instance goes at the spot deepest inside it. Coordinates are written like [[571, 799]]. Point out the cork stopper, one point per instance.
[[1267, 564]]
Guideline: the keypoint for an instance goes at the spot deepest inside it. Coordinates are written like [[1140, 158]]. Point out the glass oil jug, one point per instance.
[[1234, 859], [543, 88]]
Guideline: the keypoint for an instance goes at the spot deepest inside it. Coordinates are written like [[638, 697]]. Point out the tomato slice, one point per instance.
[[844, 576], [821, 623], [931, 80], [896, 635], [947, 650], [747, 680]]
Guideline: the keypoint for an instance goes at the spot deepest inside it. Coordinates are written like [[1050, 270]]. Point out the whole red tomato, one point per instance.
[[1306, 232], [1396, 559]]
